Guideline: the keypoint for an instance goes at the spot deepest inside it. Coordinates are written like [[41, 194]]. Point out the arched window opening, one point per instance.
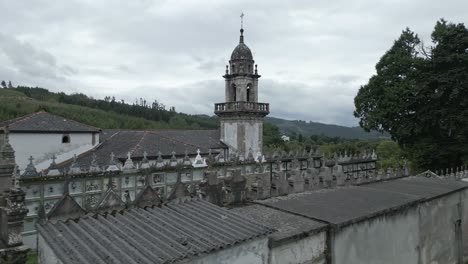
[[66, 139], [233, 93], [233, 68], [249, 91], [250, 68]]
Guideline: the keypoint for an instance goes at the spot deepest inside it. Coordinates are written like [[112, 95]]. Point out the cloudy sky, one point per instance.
[[312, 55]]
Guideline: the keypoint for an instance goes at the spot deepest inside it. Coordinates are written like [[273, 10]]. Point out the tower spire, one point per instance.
[[242, 28]]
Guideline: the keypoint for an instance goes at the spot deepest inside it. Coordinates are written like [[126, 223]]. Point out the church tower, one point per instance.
[[241, 115]]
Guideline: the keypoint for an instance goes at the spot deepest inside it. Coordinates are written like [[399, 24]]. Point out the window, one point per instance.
[[233, 91], [66, 139]]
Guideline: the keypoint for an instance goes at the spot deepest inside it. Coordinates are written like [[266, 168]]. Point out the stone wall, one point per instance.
[[422, 233], [310, 250]]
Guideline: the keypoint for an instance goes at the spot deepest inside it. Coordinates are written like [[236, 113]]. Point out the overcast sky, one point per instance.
[[312, 55]]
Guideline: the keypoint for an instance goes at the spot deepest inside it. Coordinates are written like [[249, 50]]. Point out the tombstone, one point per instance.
[[281, 183], [325, 176], [339, 175], [297, 181]]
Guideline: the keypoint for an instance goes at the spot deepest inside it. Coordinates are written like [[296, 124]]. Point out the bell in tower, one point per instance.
[[241, 114]]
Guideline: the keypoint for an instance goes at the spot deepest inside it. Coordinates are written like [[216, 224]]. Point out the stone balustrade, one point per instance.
[[246, 107]]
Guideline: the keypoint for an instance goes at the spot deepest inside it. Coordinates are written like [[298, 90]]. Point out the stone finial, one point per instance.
[[250, 156], [53, 170], [94, 166], [75, 168], [173, 161], [258, 157], [186, 161], [145, 162], [128, 165], [199, 162], [159, 160], [220, 157], [112, 164], [30, 170], [15, 178], [210, 159]]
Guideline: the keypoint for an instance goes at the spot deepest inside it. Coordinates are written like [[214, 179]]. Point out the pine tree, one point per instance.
[[3, 84], [9, 84]]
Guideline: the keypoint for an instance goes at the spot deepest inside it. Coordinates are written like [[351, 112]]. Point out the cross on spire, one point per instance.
[[242, 20]]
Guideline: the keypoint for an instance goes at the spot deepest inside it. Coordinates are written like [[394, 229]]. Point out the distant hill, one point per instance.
[[307, 129], [111, 113]]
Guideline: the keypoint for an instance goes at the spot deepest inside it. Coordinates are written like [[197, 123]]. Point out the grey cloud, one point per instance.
[[28, 60], [312, 55]]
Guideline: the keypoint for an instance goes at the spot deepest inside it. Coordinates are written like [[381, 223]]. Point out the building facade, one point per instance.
[[241, 115]]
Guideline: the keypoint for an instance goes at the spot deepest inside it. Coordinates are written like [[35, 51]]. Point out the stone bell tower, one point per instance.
[[242, 115]]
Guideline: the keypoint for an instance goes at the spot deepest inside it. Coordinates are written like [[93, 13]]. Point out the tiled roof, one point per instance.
[[46, 123], [353, 203], [120, 142], [180, 230]]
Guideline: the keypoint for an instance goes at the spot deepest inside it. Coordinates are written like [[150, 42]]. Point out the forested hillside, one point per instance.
[[307, 129], [107, 113]]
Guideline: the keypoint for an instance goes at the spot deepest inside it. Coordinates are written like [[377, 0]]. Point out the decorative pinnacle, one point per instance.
[[7, 135]]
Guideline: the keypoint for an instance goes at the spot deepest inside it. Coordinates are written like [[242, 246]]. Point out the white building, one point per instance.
[[45, 136]]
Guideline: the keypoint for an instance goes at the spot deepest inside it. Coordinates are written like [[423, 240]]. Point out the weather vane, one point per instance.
[[242, 20]]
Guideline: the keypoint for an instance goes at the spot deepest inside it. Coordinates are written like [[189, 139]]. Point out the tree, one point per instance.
[[3, 84], [9, 85], [420, 96]]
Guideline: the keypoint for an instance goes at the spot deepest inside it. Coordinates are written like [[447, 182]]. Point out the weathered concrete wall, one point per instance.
[[423, 233], [464, 223], [46, 255], [251, 252], [437, 224], [243, 134], [381, 240], [310, 250], [41, 146]]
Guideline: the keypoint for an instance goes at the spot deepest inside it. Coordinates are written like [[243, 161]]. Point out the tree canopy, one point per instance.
[[419, 95]]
